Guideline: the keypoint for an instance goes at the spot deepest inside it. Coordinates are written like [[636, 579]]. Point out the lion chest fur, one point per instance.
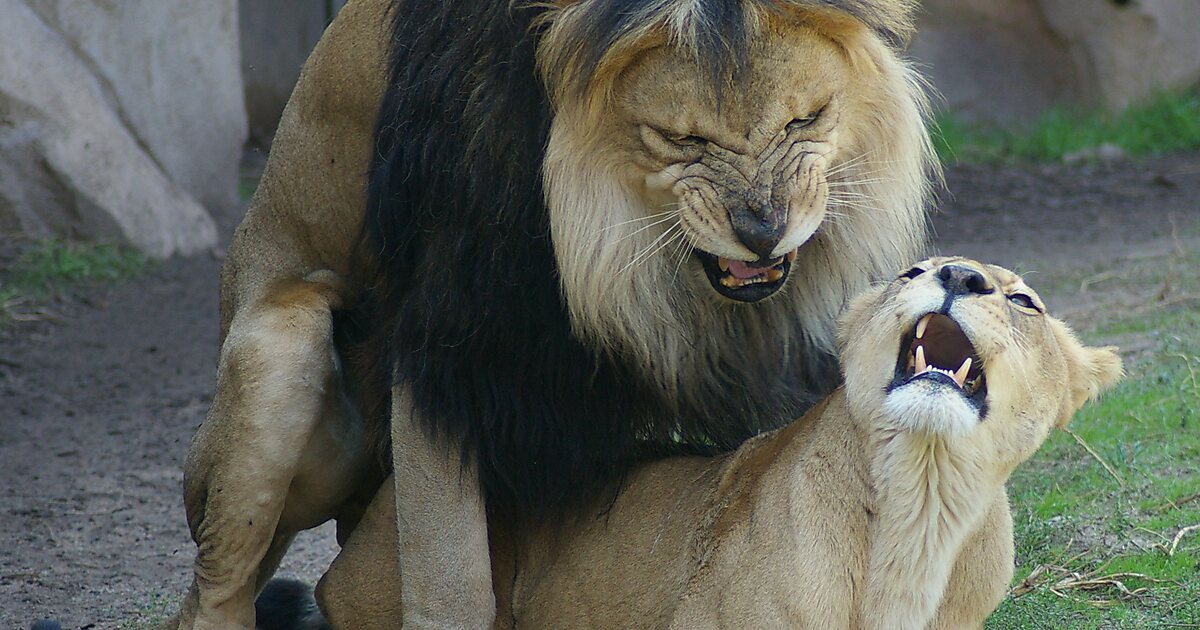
[[822, 522]]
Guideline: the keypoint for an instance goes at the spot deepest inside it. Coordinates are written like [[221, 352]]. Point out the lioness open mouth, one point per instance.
[[938, 350], [745, 281]]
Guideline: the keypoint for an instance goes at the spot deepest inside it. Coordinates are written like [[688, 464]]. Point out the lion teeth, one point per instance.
[[923, 324], [960, 375], [723, 263], [774, 275], [730, 282], [921, 365]]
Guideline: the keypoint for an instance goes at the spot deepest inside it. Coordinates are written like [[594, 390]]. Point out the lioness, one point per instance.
[[523, 240], [883, 507]]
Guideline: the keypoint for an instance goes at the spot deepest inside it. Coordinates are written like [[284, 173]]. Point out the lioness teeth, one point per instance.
[[921, 325], [960, 375], [723, 263], [921, 366]]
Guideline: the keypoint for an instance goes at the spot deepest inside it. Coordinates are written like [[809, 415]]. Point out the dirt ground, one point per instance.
[[97, 408]]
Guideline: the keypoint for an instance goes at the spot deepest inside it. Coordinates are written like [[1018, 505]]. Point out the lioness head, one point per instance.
[[954, 347], [704, 155]]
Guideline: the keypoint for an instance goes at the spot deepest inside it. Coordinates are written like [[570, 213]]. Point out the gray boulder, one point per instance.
[[1007, 60], [119, 120]]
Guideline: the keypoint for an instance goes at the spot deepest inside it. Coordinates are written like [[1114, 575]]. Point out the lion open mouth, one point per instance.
[[745, 281], [937, 349]]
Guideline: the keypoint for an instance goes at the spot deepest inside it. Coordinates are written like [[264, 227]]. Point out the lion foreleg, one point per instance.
[[251, 477], [442, 529]]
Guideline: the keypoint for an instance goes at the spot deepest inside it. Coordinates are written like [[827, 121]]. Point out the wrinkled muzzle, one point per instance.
[[772, 205]]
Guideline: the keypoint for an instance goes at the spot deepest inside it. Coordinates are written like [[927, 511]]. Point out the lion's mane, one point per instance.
[[492, 298]]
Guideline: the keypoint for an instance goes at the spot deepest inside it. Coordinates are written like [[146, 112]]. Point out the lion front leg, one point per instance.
[[276, 454], [442, 528]]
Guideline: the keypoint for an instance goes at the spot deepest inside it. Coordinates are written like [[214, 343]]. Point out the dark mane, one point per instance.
[[463, 304]]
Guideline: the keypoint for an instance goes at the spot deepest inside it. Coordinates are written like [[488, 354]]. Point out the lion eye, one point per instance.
[[912, 273], [689, 141], [804, 121], [1024, 301]]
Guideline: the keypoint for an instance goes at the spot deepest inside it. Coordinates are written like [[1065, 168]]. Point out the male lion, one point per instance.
[[883, 507], [591, 231]]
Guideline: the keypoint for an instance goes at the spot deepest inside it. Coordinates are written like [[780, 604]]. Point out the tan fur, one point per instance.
[[848, 518], [857, 181], [280, 450]]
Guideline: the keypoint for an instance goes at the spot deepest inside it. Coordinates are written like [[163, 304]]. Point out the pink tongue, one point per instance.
[[743, 271]]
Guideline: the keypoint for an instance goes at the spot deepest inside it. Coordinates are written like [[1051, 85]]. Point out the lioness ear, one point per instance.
[[1090, 371]]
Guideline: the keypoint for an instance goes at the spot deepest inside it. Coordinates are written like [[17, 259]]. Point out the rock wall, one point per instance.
[[1006, 60], [277, 36], [120, 120]]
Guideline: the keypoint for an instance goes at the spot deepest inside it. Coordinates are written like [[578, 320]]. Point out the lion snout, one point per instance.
[[759, 226]]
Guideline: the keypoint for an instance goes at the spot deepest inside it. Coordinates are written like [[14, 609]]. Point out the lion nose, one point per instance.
[[960, 280], [759, 231]]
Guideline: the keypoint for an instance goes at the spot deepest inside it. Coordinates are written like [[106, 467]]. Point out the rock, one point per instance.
[[1007, 60], [118, 120], [277, 36]]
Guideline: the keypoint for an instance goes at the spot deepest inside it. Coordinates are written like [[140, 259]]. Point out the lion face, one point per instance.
[[746, 184], [711, 225], [978, 357]]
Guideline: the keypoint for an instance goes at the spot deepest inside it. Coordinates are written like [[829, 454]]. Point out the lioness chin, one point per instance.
[[883, 507]]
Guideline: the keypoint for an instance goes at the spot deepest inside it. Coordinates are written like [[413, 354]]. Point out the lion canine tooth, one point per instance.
[[921, 325], [774, 274], [723, 263], [921, 365], [731, 282], [960, 375]]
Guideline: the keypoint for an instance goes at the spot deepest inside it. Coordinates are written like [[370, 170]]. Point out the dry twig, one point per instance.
[[1179, 536], [1096, 456]]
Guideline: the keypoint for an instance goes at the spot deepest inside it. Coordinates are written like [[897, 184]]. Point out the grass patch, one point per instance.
[[1098, 537], [47, 268], [1168, 122]]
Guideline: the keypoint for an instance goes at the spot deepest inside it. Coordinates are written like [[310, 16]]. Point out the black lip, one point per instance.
[[752, 293], [978, 399]]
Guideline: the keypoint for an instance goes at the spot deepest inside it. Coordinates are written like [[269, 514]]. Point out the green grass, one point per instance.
[[49, 267], [1168, 122], [1112, 517]]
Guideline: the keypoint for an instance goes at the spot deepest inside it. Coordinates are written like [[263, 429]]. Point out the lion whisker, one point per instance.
[[687, 244], [654, 247], [858, 182], [862, 206], [647, 226], [852, 162], [640, 219]]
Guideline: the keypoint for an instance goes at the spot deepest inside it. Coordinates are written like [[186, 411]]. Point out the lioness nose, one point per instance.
[[960, 280], [761, 231]]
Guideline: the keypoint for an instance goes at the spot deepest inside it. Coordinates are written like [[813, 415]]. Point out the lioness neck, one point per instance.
[[930, 493]]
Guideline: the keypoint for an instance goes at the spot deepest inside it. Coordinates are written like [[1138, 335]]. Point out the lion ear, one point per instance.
[[1090, 371]]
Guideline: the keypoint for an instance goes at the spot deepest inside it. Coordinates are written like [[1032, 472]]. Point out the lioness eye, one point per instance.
[[1024, 301], [912, 273]]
